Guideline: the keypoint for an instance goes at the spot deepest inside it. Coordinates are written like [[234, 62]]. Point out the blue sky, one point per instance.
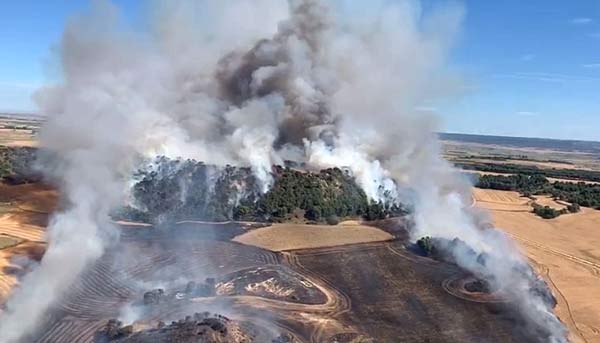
[[532, 67]]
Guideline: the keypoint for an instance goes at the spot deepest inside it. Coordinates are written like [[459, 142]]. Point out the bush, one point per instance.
[[333, 220], [547, 212], [426, 245], [574, 208]]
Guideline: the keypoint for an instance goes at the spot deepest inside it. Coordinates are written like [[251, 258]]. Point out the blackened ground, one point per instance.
[[375, 291]]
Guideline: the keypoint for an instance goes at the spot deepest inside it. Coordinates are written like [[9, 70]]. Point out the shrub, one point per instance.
[[333, 220], [426, 245], [574, 208]]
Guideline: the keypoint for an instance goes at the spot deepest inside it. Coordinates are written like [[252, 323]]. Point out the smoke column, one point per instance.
[[253, 83]]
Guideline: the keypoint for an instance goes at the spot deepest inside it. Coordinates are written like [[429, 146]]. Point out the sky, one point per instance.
[[531, 68]]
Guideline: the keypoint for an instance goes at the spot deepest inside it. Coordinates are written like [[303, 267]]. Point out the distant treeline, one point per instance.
[[577, 194], [172, 190], [524, 142], [508, 158], [569, 174]]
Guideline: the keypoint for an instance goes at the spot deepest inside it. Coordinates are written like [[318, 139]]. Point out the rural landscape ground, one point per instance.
[[349, 282], [565, 250]]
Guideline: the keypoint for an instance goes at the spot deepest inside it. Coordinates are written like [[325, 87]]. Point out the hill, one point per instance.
[[172, 190]]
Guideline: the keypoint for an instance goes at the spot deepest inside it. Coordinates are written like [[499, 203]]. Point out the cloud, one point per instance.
[[527, 57], [528, 114], [591, 65], [582, 21]]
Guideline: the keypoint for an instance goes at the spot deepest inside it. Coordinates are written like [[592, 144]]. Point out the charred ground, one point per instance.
[[378, 291]]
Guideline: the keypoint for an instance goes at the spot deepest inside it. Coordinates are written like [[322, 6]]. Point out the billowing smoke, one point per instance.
[[253, 83]]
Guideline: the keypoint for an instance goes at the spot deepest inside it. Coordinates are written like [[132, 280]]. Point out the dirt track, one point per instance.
[[567, 252]]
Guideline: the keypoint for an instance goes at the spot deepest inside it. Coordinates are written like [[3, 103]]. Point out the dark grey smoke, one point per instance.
[[288, 65]]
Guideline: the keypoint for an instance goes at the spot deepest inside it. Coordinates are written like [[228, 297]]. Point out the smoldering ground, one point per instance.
[[251, 83]]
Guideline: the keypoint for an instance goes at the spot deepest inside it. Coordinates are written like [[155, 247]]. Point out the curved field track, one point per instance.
[[567, 252]]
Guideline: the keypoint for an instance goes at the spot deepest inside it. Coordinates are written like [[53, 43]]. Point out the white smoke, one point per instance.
[[250, 83]]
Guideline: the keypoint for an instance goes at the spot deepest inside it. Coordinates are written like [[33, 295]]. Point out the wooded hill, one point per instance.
[[170, 190]]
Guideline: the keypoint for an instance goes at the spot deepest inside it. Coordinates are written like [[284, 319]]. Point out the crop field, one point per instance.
[[18, 130], [280, 237], [566, 250]]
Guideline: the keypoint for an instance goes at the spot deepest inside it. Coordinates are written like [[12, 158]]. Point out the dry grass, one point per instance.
[[501, 201], [545, 200], [18, 132], [17, 138], [280, 237], [566, 251]]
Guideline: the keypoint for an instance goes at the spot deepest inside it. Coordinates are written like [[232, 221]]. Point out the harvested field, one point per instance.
[[16, 225], [504, 201], [544, 200], [23, 220], [17, 137], [15, 262], [567, 252], [281, 237]]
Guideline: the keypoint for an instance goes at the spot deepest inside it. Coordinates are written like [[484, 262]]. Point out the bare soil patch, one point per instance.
[[280, 237]]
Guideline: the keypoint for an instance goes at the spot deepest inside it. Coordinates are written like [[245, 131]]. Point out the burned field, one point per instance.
[[397, 296], [170, 283]]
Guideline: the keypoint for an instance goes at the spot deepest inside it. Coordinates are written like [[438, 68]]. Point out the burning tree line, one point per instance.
[[173, 189]]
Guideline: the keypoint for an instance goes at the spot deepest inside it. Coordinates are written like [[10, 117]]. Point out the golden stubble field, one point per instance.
[[566, 250], [23, 216], [281, 237]]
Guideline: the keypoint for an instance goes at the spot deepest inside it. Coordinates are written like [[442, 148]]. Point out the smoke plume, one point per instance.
[[253, 83]]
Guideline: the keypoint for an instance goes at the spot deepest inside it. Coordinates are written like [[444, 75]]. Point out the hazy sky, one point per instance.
[[532, 68]]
